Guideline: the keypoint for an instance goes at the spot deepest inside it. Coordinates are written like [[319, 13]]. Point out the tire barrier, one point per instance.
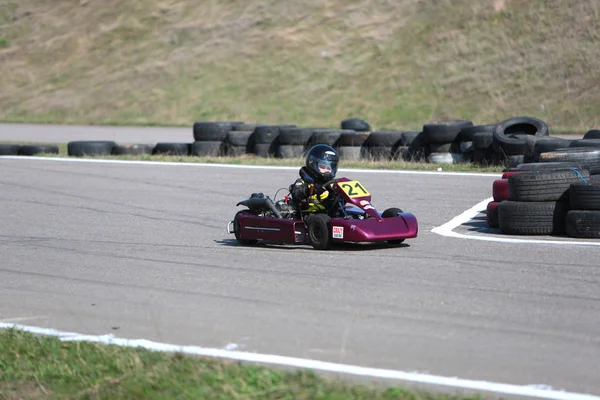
[[515, 141]]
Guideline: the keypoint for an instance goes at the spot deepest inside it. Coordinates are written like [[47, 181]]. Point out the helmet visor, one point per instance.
[[327, 168]]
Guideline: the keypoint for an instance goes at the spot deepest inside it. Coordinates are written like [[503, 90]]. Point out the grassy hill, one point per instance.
[[396, 64]]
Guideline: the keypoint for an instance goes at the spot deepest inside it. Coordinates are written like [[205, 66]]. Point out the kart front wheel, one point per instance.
[[319, 231], [237, 229], [393, 213]]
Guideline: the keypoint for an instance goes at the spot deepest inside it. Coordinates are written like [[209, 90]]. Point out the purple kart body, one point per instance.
[[352, 218]]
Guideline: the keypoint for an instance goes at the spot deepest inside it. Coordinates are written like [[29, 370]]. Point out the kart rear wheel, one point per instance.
[[319, 231], [392, 213], [236, 229]]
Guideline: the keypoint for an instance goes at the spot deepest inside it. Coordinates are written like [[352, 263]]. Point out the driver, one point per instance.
[[307, 191]]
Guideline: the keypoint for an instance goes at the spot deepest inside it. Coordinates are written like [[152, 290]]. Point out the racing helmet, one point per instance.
[[322, 162]]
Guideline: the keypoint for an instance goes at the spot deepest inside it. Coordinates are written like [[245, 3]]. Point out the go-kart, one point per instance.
[[350, 217]]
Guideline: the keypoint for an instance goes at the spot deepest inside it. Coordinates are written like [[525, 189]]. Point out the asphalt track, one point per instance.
[[141, 251], [47, 133]]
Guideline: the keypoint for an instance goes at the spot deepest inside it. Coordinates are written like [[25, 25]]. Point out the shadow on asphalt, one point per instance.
[[336, 247], [479, 224]]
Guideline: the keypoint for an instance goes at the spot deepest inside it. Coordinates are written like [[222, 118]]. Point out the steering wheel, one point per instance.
[[329, 183]]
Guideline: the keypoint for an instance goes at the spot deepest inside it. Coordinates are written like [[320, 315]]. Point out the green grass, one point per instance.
[[35, 367], [252, 160], [313, 63]]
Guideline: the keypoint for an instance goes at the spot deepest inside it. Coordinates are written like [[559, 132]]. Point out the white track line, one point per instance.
[[447, 229], [539, 391], [269, 167]]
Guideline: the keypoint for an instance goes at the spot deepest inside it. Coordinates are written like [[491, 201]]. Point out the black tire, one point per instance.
[[266, 134], [510, 133], [585, 195], [583, 224], [211, 131], [90, 148], [208, 148], [246, 127], [534, 146], [238, 138], [392, 212], [235, 151], [466, 133], [265, 150], [236, 230], [482, 140], [532, 218], [9, 149], [408, 137], [443, 132], [544, 185], [578, 143], [547, 166], [383, 138], [378, 153], [349, 153], [589, 158], [513, 161], [416, 153], [325, 136], [355, 124], [294, 136], [521, 126], [486, 157], [290, 151], [172, 149], [133, 149], [592, 134], [30, 150], [400, 153], [352, 139], [319, 231]]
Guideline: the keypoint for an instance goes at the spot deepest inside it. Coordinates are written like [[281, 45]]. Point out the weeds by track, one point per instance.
[[34, 367]]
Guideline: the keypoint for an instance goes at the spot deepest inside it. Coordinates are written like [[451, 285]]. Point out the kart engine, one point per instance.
[[280, 206], [284, 209]]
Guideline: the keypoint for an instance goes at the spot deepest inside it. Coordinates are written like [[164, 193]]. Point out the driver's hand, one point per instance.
[[320, 190]]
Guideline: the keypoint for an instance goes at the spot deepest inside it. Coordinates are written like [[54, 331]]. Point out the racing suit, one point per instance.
[[307, 194]]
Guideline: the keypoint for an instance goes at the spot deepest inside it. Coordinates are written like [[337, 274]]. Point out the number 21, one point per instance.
[[350, 188]]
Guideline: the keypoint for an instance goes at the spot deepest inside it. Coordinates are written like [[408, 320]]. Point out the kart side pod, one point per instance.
[[253, 227]]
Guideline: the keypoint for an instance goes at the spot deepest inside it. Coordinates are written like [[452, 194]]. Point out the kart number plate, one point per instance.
[[354, 189]]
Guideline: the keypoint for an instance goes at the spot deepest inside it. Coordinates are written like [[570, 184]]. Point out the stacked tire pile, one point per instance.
[[554, 198], [585, 152], [460, 141], [505, 143]]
